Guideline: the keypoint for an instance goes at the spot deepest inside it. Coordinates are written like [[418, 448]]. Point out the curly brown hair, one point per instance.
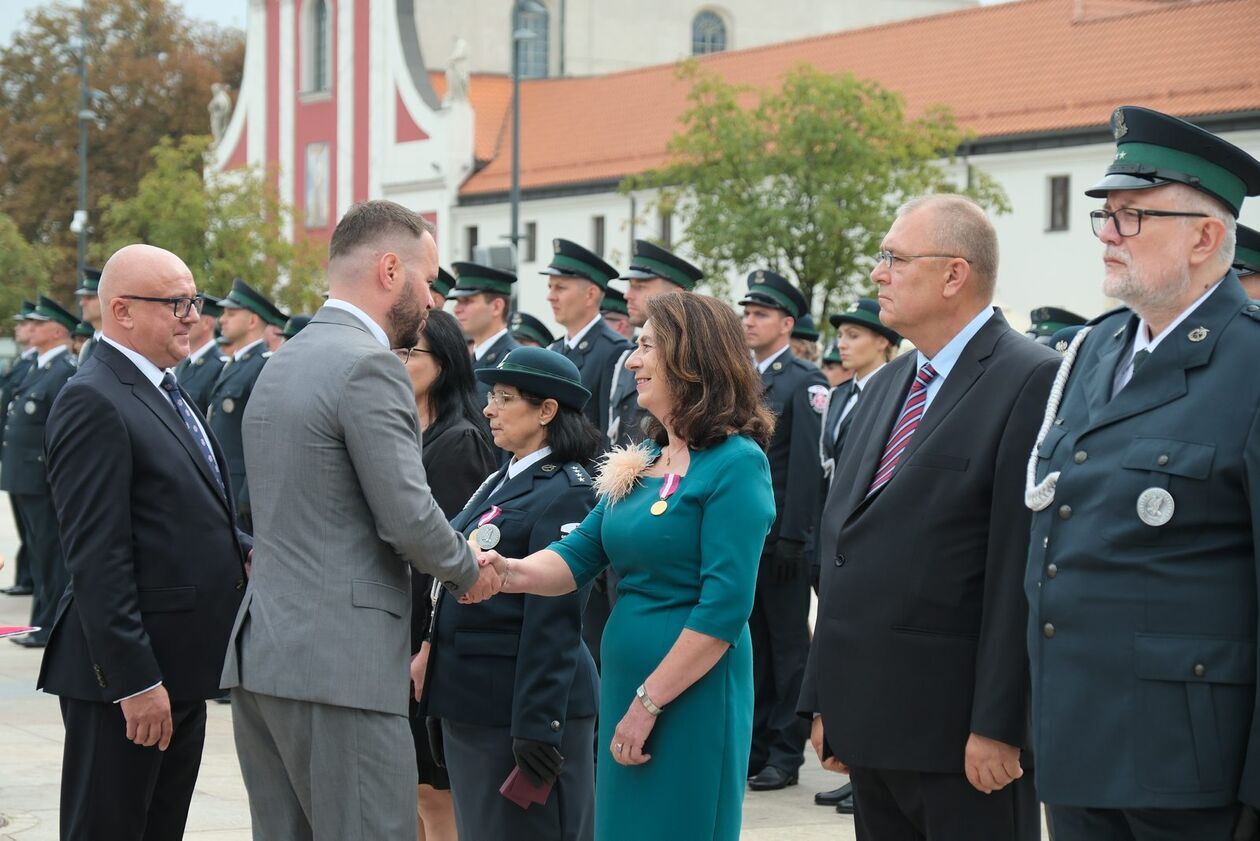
[[711, 378]]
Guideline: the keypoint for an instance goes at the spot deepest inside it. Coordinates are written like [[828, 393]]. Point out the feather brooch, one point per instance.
[[620, 469]]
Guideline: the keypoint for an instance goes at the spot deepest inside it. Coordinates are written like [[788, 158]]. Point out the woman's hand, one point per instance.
[[631, 735], [419, 665]]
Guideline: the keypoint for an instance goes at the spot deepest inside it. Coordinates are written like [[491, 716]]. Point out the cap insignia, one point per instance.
[[1118, 127]]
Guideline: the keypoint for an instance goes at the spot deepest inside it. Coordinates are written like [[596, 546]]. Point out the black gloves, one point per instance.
[[538, 761], [788, 561]]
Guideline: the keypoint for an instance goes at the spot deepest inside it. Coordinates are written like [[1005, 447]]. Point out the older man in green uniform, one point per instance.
[[1247, 261], [23, 585], [199, 371], [1145, 483], [796, 392], [25, 475], [246, 313]]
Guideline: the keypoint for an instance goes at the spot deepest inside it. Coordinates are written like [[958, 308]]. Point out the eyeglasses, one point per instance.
[[888, 258], [404, 353], [1128, 220], [180, 306], [499, 399]]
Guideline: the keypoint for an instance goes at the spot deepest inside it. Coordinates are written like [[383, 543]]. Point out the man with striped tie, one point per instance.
[[917, 678]]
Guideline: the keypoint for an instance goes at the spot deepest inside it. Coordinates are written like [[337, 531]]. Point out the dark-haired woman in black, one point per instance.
[[457, 456], [510, 678]]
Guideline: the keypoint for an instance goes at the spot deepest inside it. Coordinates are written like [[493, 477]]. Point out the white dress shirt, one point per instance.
[[572, 342], [948, 356], [764, 365], [368, 322], [480, 350], [1144, 341]]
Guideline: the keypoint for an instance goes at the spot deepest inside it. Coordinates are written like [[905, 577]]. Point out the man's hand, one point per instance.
[[816, 739], [789, 560], [991, 765], [419, 665], [148, 718], [488, 583]]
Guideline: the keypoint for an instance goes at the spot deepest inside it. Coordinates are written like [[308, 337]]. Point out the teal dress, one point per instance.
[[693, 567]]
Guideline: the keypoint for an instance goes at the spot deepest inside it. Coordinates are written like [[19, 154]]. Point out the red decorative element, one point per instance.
[[362, 97], [405, 128], [315, 121], [271, 96], [240, 155]]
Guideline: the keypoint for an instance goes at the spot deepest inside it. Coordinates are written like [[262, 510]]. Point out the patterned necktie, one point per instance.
[[190, 423], [916, 401]]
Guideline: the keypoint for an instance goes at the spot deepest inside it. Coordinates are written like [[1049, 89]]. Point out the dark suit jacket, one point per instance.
[[518, 661], [458, 457], [596, 358], [1143, 637], [918, 641], [25, 470], [155, 562], [794, 391], [626, 417]]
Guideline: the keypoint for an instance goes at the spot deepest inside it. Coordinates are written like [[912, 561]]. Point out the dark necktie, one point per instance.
[[1139, 359], [190, 423], [855, 396], [911, 414]]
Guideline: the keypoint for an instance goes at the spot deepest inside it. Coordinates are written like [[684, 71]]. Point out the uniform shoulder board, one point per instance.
[[577, 474], [1252, 310], [818, 398]]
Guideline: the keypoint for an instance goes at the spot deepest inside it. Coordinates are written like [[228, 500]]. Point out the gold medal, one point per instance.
[[472, 536], [658, 507]]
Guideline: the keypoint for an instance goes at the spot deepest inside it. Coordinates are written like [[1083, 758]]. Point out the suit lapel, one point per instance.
[[1099, 379], [521, 483], [884, 415]]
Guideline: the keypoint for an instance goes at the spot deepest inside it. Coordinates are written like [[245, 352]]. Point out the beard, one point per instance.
[[406, 317], [1140, 290]]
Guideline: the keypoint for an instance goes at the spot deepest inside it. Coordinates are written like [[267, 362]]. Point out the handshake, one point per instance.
[[493, 578]]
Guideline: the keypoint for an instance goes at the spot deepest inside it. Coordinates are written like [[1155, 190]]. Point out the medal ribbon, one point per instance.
[[494, 511], [671, 483]]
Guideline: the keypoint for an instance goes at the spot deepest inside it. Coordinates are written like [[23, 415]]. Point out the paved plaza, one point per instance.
[[30, 758]]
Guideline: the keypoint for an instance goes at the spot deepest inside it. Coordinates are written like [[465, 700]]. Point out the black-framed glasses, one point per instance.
[[1128, 220], [888, 258], [181, 306], [404, 353]]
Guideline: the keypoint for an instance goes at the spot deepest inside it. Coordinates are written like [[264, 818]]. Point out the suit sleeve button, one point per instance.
[[1199, 670], [1065, 512], [1047, 631], [555, 727], [1080, 456], [839, 560], [1162, 460], [1052, 570]]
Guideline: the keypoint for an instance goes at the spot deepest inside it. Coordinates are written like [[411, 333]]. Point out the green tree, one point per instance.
[[803, 179], [152, 67], [24, 268], [223, 226]]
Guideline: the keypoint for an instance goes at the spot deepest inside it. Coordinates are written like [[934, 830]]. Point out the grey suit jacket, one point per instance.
[[342, 512]]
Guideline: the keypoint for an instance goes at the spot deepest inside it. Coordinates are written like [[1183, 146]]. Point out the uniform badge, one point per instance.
[[1198, 334], [818, 398], [778, 366], [30, 407], [487, 536], [548, 468], [201, 361], [229, 405], [1118, 127], [1061, 345], [761, 277], [490, 357], [584, 345], [1155, 506]]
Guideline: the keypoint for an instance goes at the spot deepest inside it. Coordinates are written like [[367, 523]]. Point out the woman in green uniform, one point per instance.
[[681, 519]]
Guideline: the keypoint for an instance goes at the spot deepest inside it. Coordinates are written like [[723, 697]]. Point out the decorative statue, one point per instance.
[[220, 110], [457, 73]]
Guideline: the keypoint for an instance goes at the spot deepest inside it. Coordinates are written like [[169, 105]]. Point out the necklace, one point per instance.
[[669, 457]]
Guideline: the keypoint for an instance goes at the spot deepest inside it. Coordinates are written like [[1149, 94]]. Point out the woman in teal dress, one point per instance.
[[682, 521]]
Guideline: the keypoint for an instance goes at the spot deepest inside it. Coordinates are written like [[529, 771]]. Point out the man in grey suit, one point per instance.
[[318, 659]]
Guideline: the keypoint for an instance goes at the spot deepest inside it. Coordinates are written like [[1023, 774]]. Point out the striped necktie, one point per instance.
[[911, 414], [194, 428]]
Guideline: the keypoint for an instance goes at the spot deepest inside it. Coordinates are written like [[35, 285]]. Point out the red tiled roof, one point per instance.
[[491, 97], [1022, 67]]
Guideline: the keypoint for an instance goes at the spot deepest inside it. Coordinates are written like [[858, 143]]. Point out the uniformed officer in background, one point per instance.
[[295, 324], [653, 271], [575, 291], [1142, 569], [796, 392], [200, 369], [530, 331], [246, 313], [805, 338], [23, 585], [1247, 261], [441, 288], [1046, 321], [483, 297], [23, 472], [90, 306], [833, 367], [613, 309]]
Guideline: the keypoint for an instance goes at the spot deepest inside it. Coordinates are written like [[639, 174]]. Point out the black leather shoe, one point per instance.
[[29, 642], [845, 806], [18, 590], [772, 779], [833, 797]]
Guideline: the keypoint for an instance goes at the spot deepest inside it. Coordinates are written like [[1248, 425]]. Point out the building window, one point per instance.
[[1059, 187], [470, 241], [708, 33], [531, 242], [667, 230], [536, 50], [317, 47], [597, 235]]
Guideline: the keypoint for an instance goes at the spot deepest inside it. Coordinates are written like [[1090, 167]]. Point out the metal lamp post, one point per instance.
[[519, 35]]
